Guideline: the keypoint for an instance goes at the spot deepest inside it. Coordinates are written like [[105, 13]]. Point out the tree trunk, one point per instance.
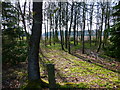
[[70, 27], [77, 33], [56, 27], [61, 33], [107, 26], [74, 28], [23, 19], [91, 19], [83, 46], [100, 41], [50, 28], [45, 27], [33, 57], [97, 27], [53, 30], [66, 31]]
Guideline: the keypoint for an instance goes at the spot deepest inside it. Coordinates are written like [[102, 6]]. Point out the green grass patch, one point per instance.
[[97, 75], [57, 46], [73, 85]]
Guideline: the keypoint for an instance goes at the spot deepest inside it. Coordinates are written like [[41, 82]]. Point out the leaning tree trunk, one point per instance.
[[33, 57]]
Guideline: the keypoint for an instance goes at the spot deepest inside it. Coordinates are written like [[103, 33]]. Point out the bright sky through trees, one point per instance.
[[43, 27]]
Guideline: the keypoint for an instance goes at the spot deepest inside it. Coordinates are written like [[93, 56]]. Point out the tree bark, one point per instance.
[[45, 27], [91, 19], [33, 57], [56, 27], [83, 43], [61, 33], [70, 27], [50, 28], [97, 26], [66, 31], [74, 27], [100, 40]]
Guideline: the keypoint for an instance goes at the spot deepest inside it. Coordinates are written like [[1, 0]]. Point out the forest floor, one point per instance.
[[81, 70], [90, 70]]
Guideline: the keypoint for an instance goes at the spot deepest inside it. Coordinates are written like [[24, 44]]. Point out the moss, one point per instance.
[[36, 84], [73, 66], [74, 85], [57, 46]]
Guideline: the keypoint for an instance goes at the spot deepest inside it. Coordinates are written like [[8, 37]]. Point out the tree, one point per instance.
[[83, 29], [45, 23], [50, 24], [56, 26], [66, 31], [11, 34], [101, 28], [61, 31], [74, 27], [23, 14], [33, 57], [107, 25], [114, 48], [97, 24], [70, 27], [91, 17]]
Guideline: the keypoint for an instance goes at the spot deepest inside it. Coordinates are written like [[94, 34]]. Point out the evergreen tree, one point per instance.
[[11, 32], [114, 48]]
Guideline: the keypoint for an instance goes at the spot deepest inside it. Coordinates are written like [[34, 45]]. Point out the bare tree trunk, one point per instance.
[[74, 27], [107, 26], [33, 57], [77, 34], [50, 28], [53, 30], [66, 31], [96, 35], [97, 27], [61, 33], [23, 18], [56, 27], [91, 16], [29, 17], [83, 43], [100, 41], [70, 27], [45, 27]]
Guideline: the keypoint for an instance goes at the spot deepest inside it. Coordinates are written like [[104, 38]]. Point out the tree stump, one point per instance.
[[51, 75]]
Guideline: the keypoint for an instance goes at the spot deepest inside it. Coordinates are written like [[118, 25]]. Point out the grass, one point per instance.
[[73, 85], [72, 67], [79, 46]]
